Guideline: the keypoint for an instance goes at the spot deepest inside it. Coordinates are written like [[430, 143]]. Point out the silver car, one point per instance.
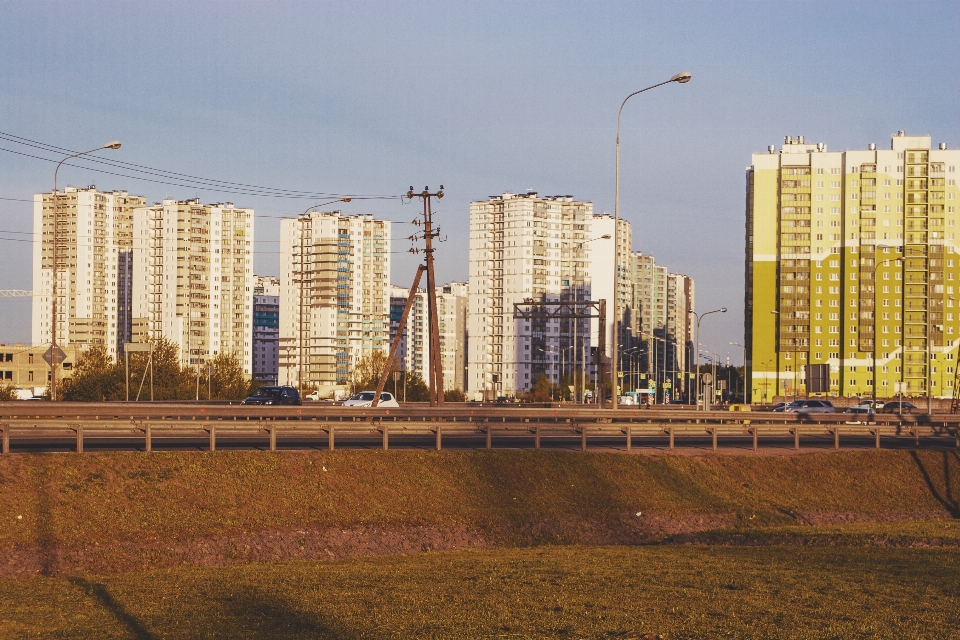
[[365, 399], [810, 406]]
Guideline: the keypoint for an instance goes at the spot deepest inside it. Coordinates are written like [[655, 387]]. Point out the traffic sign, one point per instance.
[[667, 385], [48, 355], [619, 374]]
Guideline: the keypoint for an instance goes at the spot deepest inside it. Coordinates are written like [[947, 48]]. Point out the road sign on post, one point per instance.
[[48, 355]]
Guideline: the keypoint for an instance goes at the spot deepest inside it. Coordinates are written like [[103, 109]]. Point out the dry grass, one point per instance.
[[606, 592], [77, 501]]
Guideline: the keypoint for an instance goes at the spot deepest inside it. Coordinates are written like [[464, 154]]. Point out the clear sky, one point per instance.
[[483, 97]]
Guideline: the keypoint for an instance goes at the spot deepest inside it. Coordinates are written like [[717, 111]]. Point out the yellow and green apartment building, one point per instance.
[[852, 270]]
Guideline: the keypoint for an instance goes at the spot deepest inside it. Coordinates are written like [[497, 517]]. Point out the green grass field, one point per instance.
[[548, 592]]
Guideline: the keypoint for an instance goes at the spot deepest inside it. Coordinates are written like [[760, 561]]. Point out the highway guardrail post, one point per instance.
[[6, 438], [79, 429], [877, 436], [583, 438], [670, 431], [796, 438], [147, 438], [536, 438], [386, 437], [330, 438], [755, 437], [439, 445], [489, 436], [836, 437], [713, 432], [273, 437], [213, 437], [629, 438]]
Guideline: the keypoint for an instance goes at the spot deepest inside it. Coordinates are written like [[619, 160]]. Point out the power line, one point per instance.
[[162, 176]]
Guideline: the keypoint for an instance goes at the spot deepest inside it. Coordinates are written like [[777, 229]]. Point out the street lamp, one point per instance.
[[54, 359], [681, 78], [700, 318], [576, 319], [303, 250]]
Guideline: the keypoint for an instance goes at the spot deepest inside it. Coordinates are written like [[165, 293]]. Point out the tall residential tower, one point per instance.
[[852, 267]]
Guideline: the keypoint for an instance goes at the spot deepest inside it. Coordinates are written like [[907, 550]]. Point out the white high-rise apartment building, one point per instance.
[[93, 273], [193, 279], [524, 247], [334, 297], [600, 275]]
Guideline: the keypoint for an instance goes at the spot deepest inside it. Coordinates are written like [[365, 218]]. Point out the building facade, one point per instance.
[[334, 297], [193, 279], [266, 329], [94, 256], [525, 247], [414, 350], [851, 270]]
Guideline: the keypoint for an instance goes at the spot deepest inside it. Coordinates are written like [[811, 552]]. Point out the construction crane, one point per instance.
[[15, 293]]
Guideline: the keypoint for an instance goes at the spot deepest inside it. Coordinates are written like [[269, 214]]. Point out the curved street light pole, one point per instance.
[[303, 237], [699, 319], [115, 144], [681, 78]]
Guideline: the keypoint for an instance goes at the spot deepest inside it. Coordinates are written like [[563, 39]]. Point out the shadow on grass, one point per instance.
[[98, 592], [271, 616], [947, 500]]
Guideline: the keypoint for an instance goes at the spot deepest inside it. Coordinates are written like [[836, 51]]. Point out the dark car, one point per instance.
[[274, 396], [897, 406]]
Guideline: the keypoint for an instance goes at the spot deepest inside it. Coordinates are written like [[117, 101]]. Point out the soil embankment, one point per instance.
[[131, 511]]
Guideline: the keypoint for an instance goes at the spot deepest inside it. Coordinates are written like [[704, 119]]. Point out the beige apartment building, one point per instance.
[[193, 279], [334, 297], [94, 267]]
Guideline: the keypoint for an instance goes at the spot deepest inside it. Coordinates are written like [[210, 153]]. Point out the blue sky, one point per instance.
[[482, 97]]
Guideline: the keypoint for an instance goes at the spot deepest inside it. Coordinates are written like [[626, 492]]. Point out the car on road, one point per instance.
[[896, 406], [779, 407], [313, 396], [628, 400], [867, 406], [365, 399], [810, 406], [274, 396]]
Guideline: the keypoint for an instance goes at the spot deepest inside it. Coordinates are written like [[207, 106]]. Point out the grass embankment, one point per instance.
[[549, 592], [68, 502]]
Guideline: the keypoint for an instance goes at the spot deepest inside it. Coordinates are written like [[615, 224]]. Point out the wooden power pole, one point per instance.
[[435, 362]]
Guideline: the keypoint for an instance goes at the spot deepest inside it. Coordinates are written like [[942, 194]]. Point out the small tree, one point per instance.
[[542, 389], [96, 377], [7, 393], [454, 395], [170, 380], [227, 380], [366, 374]]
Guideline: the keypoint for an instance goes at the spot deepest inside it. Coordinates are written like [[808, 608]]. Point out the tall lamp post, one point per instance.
[[681, 78], [303, 249], [699, 318], [54, 350]]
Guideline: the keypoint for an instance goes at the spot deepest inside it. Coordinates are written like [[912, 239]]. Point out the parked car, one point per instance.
[[896, 406], [867, 406], [365, 399], [274, 396], [810, 406]]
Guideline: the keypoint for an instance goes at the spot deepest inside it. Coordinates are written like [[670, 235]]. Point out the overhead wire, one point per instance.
[[172, 178]]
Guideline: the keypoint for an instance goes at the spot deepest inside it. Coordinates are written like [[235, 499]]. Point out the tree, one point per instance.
[[96, 378], [170, 380], [227, 380], [6, 393], [454, 395], [366, 374], [542, 389]]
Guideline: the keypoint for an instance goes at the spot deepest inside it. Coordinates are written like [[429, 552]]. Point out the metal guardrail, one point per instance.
[[143, 422]]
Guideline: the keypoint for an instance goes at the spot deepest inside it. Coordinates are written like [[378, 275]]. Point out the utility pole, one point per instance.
[[435, 363]]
